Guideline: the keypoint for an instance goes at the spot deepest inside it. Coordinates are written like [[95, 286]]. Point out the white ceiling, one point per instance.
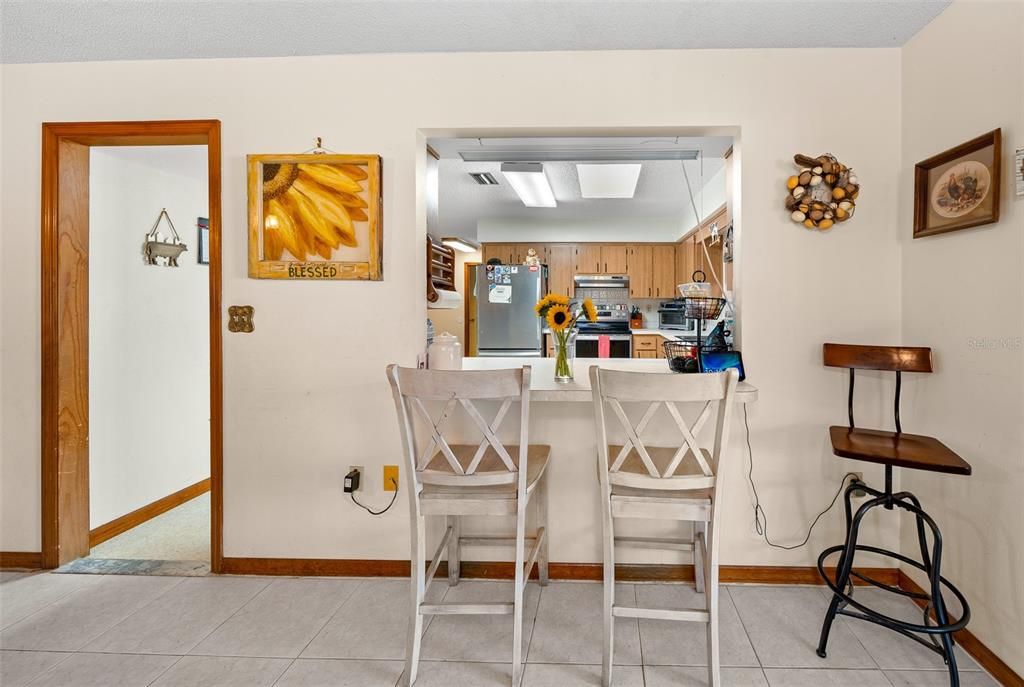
[[89, 30], [661, 195]]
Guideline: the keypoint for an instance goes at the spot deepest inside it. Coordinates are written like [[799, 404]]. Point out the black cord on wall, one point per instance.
[[760, 518], [377, 512]]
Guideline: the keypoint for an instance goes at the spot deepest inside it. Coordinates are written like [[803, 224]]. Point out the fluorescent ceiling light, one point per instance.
[[608, 181], [484, 178], [530, 183], [464, 245], [575, 154]]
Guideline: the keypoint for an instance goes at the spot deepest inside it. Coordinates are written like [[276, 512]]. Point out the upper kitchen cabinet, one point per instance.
[[502, 251], [613, 259], [639, 260], [560, 259], [663, 271], [588, 258]]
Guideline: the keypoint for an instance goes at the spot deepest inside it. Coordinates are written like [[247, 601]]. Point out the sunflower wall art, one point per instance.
[[315, 216]]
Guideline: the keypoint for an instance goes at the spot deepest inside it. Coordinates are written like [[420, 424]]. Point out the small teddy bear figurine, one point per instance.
[[532, 258]]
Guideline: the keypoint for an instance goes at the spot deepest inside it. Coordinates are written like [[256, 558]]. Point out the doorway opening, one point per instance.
[[132, 429]]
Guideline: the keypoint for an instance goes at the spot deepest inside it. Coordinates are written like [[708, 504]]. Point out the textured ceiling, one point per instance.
[[88, 30]]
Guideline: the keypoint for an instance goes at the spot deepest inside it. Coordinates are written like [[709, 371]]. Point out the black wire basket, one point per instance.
[[704, 308], [681, 357]]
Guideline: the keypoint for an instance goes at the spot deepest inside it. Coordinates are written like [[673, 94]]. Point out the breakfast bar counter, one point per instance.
[[562, 417]]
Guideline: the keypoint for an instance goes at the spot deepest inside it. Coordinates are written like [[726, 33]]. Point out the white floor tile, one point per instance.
[[452, 674], [678, 676], [338, 673], [570, 625], [105, 670], [937, 678], [218, 671], [562, 675], [24, 594], [372, 623], [685, 644], [18, 668], [891, 650], [824, 677], [479, 637], [281, 620], [74, 620], [180, 619]]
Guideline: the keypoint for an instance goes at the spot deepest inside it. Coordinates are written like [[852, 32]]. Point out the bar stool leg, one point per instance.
[[418, 575], [608, 539], [845, 566], [454, 522], [542, 521], [517, 608], [711, 597]]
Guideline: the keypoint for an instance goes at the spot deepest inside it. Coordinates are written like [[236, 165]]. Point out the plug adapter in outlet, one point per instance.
[[859, 493], [357, 485]]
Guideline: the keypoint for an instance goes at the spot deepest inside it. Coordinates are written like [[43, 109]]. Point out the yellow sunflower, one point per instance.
[[589, 310], [309, 208], [551, 299], [559, 318]]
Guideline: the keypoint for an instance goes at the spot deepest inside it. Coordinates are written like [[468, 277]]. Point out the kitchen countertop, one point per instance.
[[544, 388], [669, 334]]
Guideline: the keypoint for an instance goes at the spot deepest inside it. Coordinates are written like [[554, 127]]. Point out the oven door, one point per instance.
[[621, 346]]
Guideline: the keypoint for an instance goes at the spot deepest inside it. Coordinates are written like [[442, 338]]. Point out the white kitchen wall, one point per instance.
[[149, 361], [498, 230], [305, 394], [963, 295]]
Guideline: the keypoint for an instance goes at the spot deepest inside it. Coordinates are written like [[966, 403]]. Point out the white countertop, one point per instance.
[[543, 386]]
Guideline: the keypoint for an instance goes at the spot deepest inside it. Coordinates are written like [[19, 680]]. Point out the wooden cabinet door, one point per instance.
[[502, 251], [638, 267], [684, 262], [561, 262], [588, 258], [613, 259], [663, 271]]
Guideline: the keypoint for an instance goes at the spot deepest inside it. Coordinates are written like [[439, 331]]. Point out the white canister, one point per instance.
[[445, 353]]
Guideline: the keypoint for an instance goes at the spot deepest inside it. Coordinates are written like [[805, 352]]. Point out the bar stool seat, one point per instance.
[[902, 450], [434, 485]]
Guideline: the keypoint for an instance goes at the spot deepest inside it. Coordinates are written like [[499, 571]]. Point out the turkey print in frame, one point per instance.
[[315, 216], [958, 188]]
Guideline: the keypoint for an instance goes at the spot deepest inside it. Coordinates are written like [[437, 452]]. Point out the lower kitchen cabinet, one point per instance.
[[648, 346]]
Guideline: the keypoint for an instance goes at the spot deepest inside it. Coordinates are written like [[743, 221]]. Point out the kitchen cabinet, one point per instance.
[[560, 259], [648, 346], [613, 259], [639, 268], [502, 251], [663, 271], [684, 261], [588, 258]]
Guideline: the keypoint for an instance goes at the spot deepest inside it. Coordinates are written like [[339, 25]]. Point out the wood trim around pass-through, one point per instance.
[[64, 314]]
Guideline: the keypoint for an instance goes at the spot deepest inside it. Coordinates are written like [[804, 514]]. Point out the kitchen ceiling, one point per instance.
[[660, 197], [74, 30]]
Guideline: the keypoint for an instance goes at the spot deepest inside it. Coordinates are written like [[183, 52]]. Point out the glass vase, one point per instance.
[[565, 354]]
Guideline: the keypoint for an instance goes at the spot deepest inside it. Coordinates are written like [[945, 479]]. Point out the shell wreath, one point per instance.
[[823, 193]]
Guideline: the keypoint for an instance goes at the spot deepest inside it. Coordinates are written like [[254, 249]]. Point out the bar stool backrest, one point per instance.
[[898, 359], [430, 457], [612, 388]]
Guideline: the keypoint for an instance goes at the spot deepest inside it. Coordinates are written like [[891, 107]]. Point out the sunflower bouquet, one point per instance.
[[561, 319]]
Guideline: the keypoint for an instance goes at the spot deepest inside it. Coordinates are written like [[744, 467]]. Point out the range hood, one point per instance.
[[601, 281]]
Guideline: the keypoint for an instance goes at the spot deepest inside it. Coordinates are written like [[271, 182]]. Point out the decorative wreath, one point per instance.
[[825, 192]]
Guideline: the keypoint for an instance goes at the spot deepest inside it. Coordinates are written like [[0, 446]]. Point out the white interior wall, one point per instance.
[[149, 360], [963, 295], [305, 394], [453, 320]]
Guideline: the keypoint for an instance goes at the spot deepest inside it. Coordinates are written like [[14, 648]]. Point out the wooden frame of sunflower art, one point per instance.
[[315, 216], [560, 318]]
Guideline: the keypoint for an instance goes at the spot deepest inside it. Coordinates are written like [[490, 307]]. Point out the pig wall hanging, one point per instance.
[[154, 247]]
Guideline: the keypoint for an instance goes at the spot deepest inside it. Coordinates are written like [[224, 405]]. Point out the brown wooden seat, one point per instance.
[[902, 450]]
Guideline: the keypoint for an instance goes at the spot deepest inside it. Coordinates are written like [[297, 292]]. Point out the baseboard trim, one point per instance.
[[985, 657], [503, 570], [21, 560], [147, 512]]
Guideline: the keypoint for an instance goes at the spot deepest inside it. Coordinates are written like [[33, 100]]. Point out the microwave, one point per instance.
[[672, 315]]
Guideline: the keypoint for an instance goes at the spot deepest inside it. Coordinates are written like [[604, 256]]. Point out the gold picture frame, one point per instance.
[[315, 216]]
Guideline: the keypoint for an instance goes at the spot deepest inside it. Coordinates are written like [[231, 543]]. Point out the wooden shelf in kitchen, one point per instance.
[[440, 269]]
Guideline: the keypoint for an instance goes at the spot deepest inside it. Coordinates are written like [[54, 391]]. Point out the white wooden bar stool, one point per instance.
[[456, 480], [666, 483]]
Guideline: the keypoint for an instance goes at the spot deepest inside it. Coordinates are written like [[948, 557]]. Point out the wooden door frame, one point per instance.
[[65, 322]]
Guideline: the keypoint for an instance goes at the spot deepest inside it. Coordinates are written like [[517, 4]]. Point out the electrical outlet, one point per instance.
[[357, 485], [390, 473]]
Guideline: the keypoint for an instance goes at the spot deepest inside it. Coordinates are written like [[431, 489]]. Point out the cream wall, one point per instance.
[[963, 295], [305, 394], [149, 341]]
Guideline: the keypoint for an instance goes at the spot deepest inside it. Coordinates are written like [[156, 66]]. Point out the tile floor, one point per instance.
[[123, 631]]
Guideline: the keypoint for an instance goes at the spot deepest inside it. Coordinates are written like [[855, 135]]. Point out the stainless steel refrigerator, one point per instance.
[[506, 323]]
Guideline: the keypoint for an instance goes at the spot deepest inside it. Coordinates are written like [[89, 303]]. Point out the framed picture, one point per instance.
[[203, 241], [315, 216], [958, 188]]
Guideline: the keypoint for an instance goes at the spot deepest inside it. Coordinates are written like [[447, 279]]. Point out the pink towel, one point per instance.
[[604, 346]]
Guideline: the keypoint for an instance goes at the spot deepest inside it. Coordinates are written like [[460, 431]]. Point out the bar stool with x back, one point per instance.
[[892, 449]]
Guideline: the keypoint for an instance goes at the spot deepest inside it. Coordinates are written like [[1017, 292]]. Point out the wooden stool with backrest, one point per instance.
[[678, 482], [892, 449], [456, 481]]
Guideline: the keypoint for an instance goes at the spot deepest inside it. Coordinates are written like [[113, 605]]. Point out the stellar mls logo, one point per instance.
[[993, 343]]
